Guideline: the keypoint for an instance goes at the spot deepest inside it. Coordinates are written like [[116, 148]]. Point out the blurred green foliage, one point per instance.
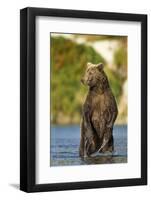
[[115, 82], [68, 62], [120, 58], [94, 38]]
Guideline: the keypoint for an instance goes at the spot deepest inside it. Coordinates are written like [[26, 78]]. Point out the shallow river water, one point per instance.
[[64, 146]]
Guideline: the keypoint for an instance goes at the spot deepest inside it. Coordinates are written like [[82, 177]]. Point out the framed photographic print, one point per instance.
[[83, 99]]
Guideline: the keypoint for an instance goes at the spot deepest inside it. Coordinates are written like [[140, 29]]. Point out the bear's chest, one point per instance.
[[97, 102]]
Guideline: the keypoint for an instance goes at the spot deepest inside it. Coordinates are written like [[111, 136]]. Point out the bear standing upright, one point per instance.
[[99, 112]]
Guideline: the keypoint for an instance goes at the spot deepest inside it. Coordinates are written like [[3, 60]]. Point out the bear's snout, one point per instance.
[[82, 80]]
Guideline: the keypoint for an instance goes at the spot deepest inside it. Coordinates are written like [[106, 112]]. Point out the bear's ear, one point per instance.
[[100, 66], [89, 64]]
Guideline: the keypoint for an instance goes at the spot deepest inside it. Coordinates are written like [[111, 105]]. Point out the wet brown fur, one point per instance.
[[99, 113]]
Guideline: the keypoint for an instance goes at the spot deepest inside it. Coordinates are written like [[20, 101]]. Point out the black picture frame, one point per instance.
[[28, 99]]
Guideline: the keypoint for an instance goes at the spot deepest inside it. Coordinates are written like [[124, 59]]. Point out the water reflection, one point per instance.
[[64, 146], [104, 159]]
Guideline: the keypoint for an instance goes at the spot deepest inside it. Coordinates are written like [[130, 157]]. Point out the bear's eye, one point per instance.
[[91, 73]]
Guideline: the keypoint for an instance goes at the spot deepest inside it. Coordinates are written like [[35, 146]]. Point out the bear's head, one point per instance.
[[95, 76]]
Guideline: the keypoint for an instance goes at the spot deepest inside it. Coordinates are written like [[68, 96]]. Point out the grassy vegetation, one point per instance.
[[68, 61]]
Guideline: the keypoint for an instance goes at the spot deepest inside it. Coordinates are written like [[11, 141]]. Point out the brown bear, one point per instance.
[[99, 112]]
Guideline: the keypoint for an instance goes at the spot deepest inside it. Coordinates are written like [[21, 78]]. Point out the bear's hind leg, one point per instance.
[[107, 144]]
